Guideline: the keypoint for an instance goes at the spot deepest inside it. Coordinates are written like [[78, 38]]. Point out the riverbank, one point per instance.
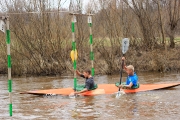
[[156, 60]]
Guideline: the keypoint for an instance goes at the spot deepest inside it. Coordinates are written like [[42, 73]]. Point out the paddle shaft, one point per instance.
[[121, 72]]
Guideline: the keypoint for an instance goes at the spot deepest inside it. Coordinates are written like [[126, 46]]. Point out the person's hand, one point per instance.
[[76, 93], [77, 72], [120, 86], [123, 58]]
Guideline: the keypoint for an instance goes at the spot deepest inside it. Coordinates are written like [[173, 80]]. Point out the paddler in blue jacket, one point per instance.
[[132, 78]]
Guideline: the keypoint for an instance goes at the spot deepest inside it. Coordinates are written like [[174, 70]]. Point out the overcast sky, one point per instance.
[[65, 3], [54, 3]]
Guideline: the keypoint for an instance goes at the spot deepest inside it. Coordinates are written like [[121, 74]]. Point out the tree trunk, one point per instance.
[[172, 43], [161, 24]]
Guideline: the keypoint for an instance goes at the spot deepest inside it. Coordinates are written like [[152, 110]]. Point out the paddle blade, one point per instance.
[[73, 55], [125, 45], [2, 26], [119, 93], [72, 95]]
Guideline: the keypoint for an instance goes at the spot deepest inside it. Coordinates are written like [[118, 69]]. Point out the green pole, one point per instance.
[[74, 48], [91, 44], [8, 41]]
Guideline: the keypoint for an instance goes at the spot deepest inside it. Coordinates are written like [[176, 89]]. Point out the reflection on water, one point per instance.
[[159, 104]]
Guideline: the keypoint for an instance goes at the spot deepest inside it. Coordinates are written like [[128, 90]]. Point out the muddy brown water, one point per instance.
[[151, 105]]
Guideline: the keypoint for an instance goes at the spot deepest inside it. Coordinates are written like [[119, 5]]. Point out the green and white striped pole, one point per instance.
[[4, 29], [91, 44], [74, 48], [8, 41]]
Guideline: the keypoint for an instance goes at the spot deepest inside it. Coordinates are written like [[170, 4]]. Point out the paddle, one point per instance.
[[125, 45]]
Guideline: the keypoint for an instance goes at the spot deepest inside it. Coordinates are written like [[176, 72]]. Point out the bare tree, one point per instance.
[[41, 42], [147, 21], [161, 23], [173, 9]]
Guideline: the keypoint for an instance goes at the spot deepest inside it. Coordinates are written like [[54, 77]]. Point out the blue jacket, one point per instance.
[[133, 79]]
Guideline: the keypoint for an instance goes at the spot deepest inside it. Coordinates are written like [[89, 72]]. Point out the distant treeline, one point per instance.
[[41, 41]]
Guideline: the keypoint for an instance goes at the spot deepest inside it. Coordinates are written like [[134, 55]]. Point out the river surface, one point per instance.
[[151, 105]]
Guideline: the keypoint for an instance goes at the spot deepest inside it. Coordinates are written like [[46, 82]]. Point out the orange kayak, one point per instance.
[[104, 89]]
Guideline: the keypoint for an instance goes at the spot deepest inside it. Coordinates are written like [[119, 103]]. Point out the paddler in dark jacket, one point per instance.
[[89, 83]]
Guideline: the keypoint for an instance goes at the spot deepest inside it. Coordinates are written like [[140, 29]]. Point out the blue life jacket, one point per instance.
[[133, 79]]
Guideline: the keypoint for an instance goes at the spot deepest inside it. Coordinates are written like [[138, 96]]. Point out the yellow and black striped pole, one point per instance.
[[8, 41], [91, 44]]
